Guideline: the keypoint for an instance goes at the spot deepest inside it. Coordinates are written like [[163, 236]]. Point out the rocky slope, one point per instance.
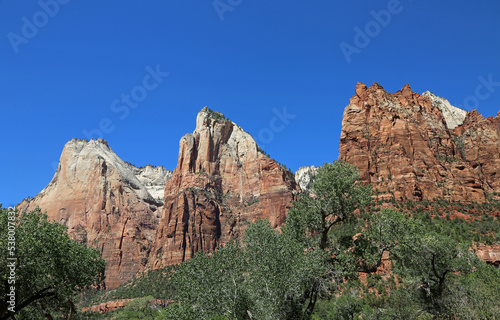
[[222, 182], [105, 203], [419, 147]]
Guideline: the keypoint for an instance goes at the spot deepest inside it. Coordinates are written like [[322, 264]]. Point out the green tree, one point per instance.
[[387, 229], [475, 295], [335, 194], [279, 272], [265, 278], [49, 268], [213, 284], [428, 264], [322, 220]]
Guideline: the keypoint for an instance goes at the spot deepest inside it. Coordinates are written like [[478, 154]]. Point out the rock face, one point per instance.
[[419, 146], [452, 115], [105, 203], [108, 306], [490, 254], [153, 179], [120, 303], [222, 182], [304, 177]]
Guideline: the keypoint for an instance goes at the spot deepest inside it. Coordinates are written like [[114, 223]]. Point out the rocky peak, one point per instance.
[[221, 183], [452, 115], [105, 204], [403, 145], [406, 91], [215, 137]]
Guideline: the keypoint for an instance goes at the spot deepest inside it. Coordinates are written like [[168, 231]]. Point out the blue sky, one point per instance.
[[67, 68]]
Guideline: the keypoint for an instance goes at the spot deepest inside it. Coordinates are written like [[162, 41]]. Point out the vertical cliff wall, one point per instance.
[[222, 182]]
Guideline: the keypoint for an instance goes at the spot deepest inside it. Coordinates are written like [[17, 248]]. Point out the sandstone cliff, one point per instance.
[[420, 147], [105, 203], [222, 182]]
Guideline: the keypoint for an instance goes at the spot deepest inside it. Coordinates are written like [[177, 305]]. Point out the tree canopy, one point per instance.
[[49, 266]]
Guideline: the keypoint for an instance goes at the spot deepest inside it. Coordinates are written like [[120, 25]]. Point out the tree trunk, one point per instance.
[[312, 302]]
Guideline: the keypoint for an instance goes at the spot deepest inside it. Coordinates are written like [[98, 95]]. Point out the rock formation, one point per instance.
[[408, 146], [153, 179], [222, 182], [304, 176], [108, 306], [411, 146], [105, 203], [490, 254]]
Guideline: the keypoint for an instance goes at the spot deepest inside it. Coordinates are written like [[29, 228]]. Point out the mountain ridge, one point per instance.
[[407, 145]]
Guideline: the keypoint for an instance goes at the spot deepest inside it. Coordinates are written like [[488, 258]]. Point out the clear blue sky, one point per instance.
[[248, 60]]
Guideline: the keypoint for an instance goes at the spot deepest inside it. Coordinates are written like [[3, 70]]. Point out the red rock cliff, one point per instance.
[[419, 147], [104, 204], [221, 183]]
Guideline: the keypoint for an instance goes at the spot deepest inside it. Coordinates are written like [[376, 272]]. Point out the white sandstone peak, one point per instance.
[[153, 179], [304, 177], [452, 115], [239, 142], [81, 156]]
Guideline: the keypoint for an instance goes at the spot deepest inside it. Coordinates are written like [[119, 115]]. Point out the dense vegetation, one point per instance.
[[339, 256], [41, 267]]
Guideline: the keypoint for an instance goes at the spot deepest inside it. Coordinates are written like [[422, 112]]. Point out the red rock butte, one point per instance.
[[419, 147]]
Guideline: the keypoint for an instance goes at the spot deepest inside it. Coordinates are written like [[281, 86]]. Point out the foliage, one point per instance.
[[50, 268], [310, 269], [154, 283], [324, 220], [463, 222], [213, 285], [428, 263], [279, 274], [216, 115], [335, 194], [345, 306], [475, 295], [137, 309], [260, 150], [264, 279]]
